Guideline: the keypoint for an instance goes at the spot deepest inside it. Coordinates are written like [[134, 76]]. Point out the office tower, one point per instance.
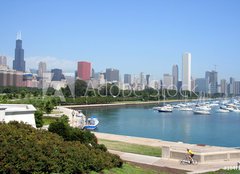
[[179, 85], [236, 88], [223, 87], [3, 60], [57, 75], [200, 85], [18, 62], [175, 76], [148, 80], [127, 79], [186, 72], [231, 86], [42, 68], [84, 70], [167, 81], [211, 82], [141, 77], [112, 75]]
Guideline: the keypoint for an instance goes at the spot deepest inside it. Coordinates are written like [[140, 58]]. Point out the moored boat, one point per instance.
[[201, 112], [92, 123], [166, 108]]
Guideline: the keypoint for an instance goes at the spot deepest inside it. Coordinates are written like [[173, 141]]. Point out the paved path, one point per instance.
[[159, 162], [170, 163]]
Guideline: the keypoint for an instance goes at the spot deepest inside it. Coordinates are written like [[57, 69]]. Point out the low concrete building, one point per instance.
[[18, 112]]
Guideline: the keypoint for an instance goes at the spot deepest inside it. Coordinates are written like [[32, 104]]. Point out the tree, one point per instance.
[[38, 118], [80, 88], [48, 107], [25, 149]]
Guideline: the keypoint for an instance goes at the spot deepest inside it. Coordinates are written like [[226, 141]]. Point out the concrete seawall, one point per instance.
[[177, 151]]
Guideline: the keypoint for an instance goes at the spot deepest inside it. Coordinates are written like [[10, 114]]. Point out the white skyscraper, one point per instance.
[[186, 72], [42, 68]]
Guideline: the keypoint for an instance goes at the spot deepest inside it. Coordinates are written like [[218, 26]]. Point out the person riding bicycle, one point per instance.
[[190, 155]]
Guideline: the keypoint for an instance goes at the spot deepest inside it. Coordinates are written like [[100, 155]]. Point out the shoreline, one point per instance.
[[134, 103], [161, 143]]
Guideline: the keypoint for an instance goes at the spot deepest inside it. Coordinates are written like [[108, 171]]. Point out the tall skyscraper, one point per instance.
[[127, 79], [175, 76], [148, 80], [3, 60], [167, 81], [57, 75], [186, 72], [200, 85], [84, 70], [42, 68], [231, 86], [18, 62], [112, 75], [212, 82], [223, 87]]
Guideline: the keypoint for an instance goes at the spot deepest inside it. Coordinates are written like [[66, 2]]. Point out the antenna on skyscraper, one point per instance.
[[19, 35]]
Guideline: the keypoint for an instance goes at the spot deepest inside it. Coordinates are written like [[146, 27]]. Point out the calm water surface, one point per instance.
[[221, 129]]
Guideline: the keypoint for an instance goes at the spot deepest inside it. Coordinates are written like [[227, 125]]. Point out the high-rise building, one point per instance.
[[84, 70], [127, 78], [186, 72], [200, 85], [211, 82], [18, 62], [223, 87], [112, 75], [42, 68], [175, 75], [236, 88], [167, 81], [57, 75], [148, 80], [231, 86], [3, 60]]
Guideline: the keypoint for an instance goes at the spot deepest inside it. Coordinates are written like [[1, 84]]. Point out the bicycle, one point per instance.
[[187, 160]]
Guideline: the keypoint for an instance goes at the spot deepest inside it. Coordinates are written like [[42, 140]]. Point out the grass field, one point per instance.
[[48, 120], [225, 172], [130, 169], [131, 148]]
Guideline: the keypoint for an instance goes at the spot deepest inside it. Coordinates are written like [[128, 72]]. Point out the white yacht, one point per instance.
[[185, 109], [166, 108], [202, 111]]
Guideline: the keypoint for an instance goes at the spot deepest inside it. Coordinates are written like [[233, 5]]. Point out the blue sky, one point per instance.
[[131, 35]]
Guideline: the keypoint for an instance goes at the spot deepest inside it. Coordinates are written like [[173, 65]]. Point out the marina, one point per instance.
[[213, 128]]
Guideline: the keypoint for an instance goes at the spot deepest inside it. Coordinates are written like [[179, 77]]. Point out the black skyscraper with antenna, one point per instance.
[[18, 62]]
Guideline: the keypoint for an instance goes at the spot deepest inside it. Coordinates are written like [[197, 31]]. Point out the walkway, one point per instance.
[[170, 163], [159, 162]]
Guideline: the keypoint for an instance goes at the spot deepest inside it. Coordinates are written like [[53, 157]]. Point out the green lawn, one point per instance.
[[131, 148], [225, 172], [130, 169], [48, 120]]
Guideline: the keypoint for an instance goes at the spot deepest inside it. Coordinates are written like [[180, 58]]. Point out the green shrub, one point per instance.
[[28, 150]]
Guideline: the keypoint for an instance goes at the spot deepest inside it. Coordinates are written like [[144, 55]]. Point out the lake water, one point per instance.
[[220, 129]]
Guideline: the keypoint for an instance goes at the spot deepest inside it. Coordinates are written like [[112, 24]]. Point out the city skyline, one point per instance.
[[164, 32]]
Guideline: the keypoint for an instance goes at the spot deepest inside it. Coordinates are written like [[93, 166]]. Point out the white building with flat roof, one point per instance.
[[186, 72], [18, 112]]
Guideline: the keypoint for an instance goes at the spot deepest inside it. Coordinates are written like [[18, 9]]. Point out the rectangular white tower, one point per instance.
[[186, 72]]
